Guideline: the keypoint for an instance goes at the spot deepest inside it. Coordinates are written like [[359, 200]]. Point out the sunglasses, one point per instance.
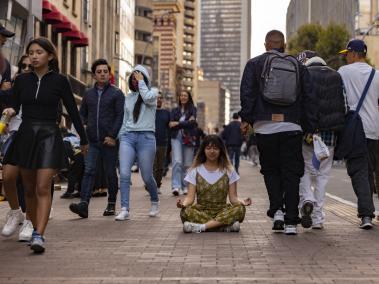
[[24, 66]]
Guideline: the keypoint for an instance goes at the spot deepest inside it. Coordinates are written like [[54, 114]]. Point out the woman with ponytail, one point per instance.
[[137, 139], [38, 146]]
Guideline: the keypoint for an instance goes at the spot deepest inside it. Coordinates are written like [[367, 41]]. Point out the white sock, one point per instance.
[[203, 227]]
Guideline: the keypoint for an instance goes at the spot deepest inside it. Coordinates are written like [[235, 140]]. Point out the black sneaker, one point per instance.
[[80, 208], [278, 224], [67, 195], [366, 223], [110, 210], [306, 212]]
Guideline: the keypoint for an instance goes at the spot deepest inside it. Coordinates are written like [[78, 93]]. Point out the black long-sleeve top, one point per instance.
[[40, 99]]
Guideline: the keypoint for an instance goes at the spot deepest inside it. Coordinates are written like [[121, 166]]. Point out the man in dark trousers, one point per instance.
[[277, 100], [162, 120], [102, 111], [233, 140]]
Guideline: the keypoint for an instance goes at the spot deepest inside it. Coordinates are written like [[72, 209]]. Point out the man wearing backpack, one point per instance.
[[327, 86], [276, 99], [361, 161]]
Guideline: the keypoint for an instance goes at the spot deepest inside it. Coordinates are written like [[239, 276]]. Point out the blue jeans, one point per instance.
[[182, 157], [109, 155], [234, 153], [140, 145]]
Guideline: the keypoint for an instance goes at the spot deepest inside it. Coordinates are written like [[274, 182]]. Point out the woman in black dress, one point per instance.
[[38, 147]]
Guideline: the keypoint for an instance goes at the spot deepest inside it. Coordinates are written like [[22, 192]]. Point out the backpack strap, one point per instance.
[[365, 90]]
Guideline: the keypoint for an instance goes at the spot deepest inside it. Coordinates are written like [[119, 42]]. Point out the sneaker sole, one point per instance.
[[124, 219], [109, 214], [175, 193], [278, 226], [291, 233], [306, 219], [37, 248], [366, 226], [24, 239]]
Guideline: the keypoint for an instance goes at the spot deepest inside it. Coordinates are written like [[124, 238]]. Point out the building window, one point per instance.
[[117, 7], [116, 43], [86, 11], [74, 8], [142, 36]]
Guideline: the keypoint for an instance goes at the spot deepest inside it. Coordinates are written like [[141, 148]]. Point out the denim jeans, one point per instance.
[[182, 157], [234, 153], [109, 155], [141, 145]]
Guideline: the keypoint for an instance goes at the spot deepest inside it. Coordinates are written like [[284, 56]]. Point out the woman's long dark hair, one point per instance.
[[223, 160], [49, 47], [139, 102], [19, 64], [189, 104]]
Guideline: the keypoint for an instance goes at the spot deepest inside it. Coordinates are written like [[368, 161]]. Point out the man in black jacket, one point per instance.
[[279, 125], [233, 140], [328, 88], [102, 111]]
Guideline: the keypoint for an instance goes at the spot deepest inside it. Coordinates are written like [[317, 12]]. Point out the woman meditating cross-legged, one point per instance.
[[212, 179]]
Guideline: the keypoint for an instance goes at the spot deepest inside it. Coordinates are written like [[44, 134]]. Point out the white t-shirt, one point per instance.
[[354, 78], [271, 127], [210, 176]]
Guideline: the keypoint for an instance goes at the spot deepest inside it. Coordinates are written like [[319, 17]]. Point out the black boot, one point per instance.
[[80, 208], [110, 210]]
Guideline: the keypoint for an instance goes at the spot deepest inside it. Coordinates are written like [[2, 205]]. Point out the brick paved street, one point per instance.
[[148, 250]]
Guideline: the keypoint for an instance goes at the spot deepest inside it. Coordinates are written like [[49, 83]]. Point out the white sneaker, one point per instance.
[[175, 191], [25, 234], [189, 227], [13, 220], [235, 227], [154, 210], [123, 215], [290, 229], [318, 226], [185, 191]]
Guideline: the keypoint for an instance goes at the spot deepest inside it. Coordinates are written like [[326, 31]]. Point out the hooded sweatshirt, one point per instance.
[[146, 119]]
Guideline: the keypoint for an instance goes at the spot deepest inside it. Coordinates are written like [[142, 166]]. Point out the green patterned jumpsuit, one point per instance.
[[212, 205]]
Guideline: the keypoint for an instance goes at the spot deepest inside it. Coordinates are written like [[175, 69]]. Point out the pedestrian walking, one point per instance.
[[12, 183], [233, 140], [362, 97], [211, 180], [39, 93], [328, 87], [183, 119], [102, 111], [162, 129], [137, 140], [276, 99]]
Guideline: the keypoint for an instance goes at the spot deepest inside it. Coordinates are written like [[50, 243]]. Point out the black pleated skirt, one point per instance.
[[37, 145]]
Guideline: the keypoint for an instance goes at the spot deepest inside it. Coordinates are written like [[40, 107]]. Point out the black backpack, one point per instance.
[[281, 83]]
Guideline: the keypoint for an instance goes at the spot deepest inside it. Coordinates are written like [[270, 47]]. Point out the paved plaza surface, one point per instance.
[[155, 250]]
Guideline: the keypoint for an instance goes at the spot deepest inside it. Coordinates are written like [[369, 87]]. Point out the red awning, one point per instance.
[[47, 7], [81, 42], [54, 17], [73, 34], [65, 26]]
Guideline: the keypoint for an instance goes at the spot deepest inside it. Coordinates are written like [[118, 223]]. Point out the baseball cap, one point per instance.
[[5, 32], [306, 54], [356, 45]]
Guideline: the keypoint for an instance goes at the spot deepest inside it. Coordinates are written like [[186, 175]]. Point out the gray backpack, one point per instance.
[[281, 79]]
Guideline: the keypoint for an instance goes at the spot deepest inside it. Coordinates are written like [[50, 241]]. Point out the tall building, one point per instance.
[[324, 12], [225, 43], [189, 54], [216, 102], [360, 17], [144, 33], [167, 26]]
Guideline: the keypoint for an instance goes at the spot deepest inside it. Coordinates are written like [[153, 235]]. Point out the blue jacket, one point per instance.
[[254, 108], [232, 134], [102, 114]]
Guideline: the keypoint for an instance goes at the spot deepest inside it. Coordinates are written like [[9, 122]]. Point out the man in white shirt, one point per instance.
[[361, 167]]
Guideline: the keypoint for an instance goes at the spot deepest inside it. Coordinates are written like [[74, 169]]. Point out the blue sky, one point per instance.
[[266, 15]]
